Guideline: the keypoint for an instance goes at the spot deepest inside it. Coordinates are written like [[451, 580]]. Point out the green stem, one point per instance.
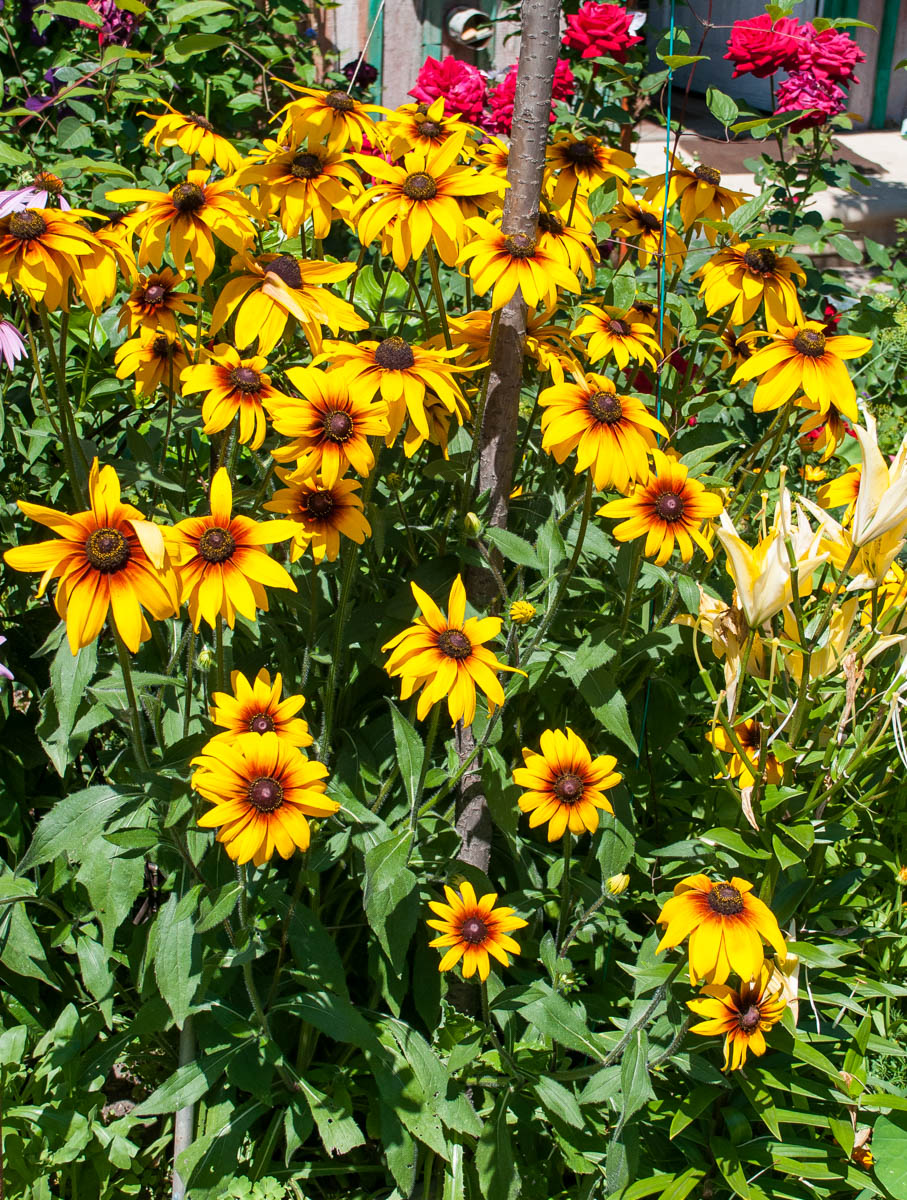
[[426, 762], [635, 564], [187, 697], [71, 443], [39, 375], [466, 497], [439, 294], [219, 652], [565, 892], [330, 692], [135, 721]]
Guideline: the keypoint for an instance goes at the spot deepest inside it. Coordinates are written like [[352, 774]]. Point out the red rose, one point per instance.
[[831, 55], [818, 99], [600, 31], [500, 118], [461, 84], [758, 46]]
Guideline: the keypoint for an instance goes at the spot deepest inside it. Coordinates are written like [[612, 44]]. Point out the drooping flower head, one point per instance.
[[473, 928], [601, 31], [445, 657], [741, 1015], [461, 85], [107, 558], [321, 513], [262, 788], [761, 46], [571, 242], [700, 194], [565, 785], [256, 707], [635, 218], [194, 135], [614, 332], [41, 251], [155, 357], [725, 923], [756, 760]]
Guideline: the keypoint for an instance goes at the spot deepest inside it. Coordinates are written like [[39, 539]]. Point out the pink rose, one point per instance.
[[461, 84], [564, 81], [760, 47], [817, 99], [500, 118], [832, 55], [600, 31]]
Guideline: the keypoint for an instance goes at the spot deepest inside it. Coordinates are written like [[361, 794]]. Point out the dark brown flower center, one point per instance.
[[725, 899], [306, 166], [737, 348], [107, 550], [762, 260], [216, 545], [810, 342], [568, 788], [266, 794], [618, 328], [244, 379], [286, 267], [201, 122], [26, 225], [338, 426], [551, 223], [420, 186], [473, 930], [708, 174], [429, 129], [644, 308], [581, 153], [319, 505], [669, 506], [520, 245], [188, 197], [604, 407], [394, 354], [162, 347], [50, 183], [261, 723], [749, 1020], [153, 294], [647, 220], [340, 101], [454, 644]]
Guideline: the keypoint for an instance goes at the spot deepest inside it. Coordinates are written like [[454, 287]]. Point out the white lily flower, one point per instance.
[[882, 499]]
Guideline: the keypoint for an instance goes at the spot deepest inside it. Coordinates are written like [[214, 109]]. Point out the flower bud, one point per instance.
[[618, 884], [902, 875], [472, 524], [394, 481], [206, 658], [522, 612]]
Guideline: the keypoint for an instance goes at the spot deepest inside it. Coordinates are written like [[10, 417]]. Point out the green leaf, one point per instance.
[[556, 1018], [760, 1099], [615, 847], [315, 952], [729, 839], [11, 157], [681, 1187], [515, 549], [410, 753], [197, 8], [721, 106], [74, 11], [675, 61], [336, 1127], [498, 1176], [113, 883], [69, 677], [389, 898], [557, 1101], [634, 1074], [71, 825], [846, 247], [188, 1083], [889, 1146], [610, 708], [221, 908], [94, 963], [194, 43], [691, 1106], [177, 959]]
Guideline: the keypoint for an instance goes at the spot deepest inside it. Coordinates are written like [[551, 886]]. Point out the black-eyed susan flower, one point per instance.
[[748, 276], [117, 236], [822, 432], [750, 735], [329, 424], [565, 785], [669, 507], [416, 202], [803, 358], [40, 252], [321, 513], [493, 154], [507, 261], [154, 302], [617, 884], [522, 612], [194, 135], [193, 213], [842, 492], [547, 343], [405, 374], [613, 333], [636, 218], [232, 384], [301, 183], [742, 1016], [446, 658], [155, 357], [612, 434], [700, 195], [221, 567], [725, 923], [108, 558], [580, 165], [438, 419], [332, 117], [268, 290], [423, 127], [472, 929], [262, 788], [257, 707], [572, 242]]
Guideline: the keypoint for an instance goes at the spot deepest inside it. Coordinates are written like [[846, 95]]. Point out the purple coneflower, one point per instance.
[[5, 672], [12, 346], [42, 189]]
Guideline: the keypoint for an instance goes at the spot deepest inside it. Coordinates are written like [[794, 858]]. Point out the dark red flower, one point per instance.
[[758, 46], [831, 55], [564, 81], [600, 31], [818, 99], [461, 84], [500, 99], [830, 316]]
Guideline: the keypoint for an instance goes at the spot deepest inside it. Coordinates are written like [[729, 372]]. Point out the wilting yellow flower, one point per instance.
[[611, 331], [156, 359], [635, 218], [803, 358], [274, 287], [320, 513], [870, 565], [41, 251], [881, 506], [194, 135], [863, 1157], [728, 632], [842, 492], [762, 575], [256, 707], [438, 418], [221, 567], [522, 612], [334, 116], [617, 884], [423, 127], [511, 261], [329, 424], [747, 276], [473, 928], [581, 165], [612, 434], [700, 194], [750, 735], [154, 302], [827, 657], [667, 507], [193, 213], [298, 184], [262, 788], [564, 785], [445, 657], [233, 385], [725, 923], [742, 1016], [108, 557]]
